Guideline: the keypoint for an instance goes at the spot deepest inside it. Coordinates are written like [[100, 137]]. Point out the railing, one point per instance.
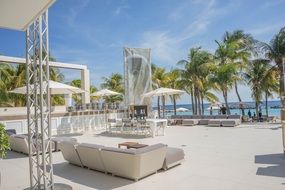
[[67, 122]]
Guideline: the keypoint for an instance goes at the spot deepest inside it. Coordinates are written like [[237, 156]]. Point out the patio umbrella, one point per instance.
[[104, 93], [162, 92], [182, 109], [55, 88]]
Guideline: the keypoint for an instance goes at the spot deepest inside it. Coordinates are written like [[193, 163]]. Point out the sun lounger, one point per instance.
[[90, 156], [214, 122], [134, 163], [230, 122], [69, 152], [190, 122], [174, 156]]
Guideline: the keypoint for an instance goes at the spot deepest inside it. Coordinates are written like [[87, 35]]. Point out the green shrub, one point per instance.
[[4, 141]]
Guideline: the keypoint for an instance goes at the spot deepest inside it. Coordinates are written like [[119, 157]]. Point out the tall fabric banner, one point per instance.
[[137, 75]]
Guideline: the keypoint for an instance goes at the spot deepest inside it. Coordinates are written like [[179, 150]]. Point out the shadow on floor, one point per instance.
[[90, 178], [276, 160], [119, 135], [271, 128], [14, 155]]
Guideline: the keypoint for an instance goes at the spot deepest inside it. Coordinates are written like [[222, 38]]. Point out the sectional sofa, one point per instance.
[[210, 120], [19, 143], [129, 163]]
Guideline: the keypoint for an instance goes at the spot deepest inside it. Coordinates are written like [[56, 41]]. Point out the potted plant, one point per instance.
[[4, 141]]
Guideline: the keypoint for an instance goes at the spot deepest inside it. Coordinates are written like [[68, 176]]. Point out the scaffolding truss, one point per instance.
[[38, 104]]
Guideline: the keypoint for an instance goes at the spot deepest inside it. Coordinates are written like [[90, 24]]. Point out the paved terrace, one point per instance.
[[240, 158]]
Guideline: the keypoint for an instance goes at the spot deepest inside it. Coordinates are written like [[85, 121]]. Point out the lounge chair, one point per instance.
[[230, 122], [190, 122], [214, 122]]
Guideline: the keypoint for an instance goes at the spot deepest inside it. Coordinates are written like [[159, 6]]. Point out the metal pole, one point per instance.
[[38, 104]]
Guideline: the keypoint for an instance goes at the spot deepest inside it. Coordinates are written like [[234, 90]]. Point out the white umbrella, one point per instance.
[[55, 88], [182, 109], [104, 93], [162, 92]]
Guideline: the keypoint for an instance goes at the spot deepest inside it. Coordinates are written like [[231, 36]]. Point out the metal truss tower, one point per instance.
[[38, 104]]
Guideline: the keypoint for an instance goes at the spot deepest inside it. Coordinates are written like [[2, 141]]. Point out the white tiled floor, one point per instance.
[[240, 158]]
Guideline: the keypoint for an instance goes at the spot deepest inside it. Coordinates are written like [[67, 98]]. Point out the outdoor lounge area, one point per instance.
[[209, 120], [249, 156]]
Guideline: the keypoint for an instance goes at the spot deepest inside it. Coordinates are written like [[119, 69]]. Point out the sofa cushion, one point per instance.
[[119, 150], [150, 148], [91, 145]]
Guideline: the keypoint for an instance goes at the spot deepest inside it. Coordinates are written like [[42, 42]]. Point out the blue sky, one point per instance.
[[94, 32]]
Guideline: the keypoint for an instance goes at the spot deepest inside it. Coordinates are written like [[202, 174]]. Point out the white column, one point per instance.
[[85, 85], [68, 99]]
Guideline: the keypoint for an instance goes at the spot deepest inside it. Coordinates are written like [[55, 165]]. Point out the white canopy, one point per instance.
[[104, 93], [19, 14], [162, 92], [55, 88], [182, 109]]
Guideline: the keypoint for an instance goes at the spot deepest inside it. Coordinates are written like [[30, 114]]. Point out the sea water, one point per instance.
[[273, 109]]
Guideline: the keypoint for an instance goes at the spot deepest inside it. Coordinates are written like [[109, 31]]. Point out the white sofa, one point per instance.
[[69, 152], [90, 156], [134, 163], [19, 143]]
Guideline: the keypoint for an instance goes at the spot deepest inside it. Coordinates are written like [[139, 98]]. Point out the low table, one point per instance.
[[136, 146], [129, 145], [126, 144]]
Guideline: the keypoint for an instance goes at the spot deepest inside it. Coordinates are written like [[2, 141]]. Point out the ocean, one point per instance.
[[273, 108]]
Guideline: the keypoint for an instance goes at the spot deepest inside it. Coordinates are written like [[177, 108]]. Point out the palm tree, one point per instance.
[[173, 78], [115, 83], [6, 77], [259, 75], [159, 79], [78, 97], [223, 80], [236, 47], [275, 51], [194, 74]]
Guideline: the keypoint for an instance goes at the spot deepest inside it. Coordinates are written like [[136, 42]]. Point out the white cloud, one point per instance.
[[168, 47], [74, 11], [119, 10], [266, 29]]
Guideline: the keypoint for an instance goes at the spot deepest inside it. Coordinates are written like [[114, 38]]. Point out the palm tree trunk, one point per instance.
[[256, 109], [225, 94], [158, 106], [174, 104], [281, 82], [199, 102], [163, 106], [266, 103], [192, 101], [195, 101], [202, 101], [239, 99]]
